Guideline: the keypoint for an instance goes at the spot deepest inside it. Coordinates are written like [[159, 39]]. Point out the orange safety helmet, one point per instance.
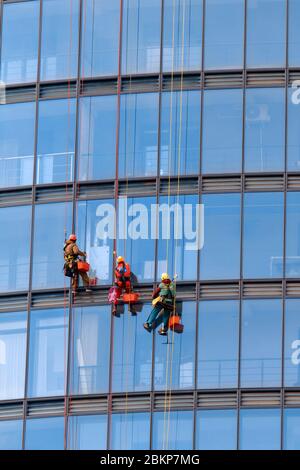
[[120, 259], [73, 237]]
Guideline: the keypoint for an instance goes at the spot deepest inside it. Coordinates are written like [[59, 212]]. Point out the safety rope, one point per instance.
[[66, 220], [169, 197], [176, 217]]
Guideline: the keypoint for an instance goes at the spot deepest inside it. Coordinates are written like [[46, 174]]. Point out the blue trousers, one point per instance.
[[154, 315]]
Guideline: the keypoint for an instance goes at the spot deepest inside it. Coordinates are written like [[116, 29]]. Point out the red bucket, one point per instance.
[[83, 266], [175, 324], [132, 297]]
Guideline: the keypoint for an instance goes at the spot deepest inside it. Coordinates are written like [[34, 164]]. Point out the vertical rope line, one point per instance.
[[169, 194], [178, 192]]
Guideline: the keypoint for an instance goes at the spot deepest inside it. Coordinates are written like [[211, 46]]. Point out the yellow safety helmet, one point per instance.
[[165, 276], [120, 259]]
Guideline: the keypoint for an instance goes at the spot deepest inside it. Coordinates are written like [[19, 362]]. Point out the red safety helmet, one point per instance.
[[73, 237]]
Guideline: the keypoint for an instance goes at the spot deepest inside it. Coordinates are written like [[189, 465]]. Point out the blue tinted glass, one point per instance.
[[218, 347], [260, 429], [293, 135], [132, 358], [292, 258], [292, 343], [15, 240], [261, 343], [182, 40], [13, 329], [180, 131], [291, 431], [59, 47], [51, 222], [172, 430], [19, 48], [222, 131], [141, 36], [16, 144], [11, 435], [97, 138], [265, 129], [87, 432], [220, 255], [175, 364], [100, 38], [263, 235], [224, 34], [294, 33], [44, 434], [266, 33], [96, 225], [216, 430], [178, 233], [138, 135], [130, 431], [90, 350], [48, 352], [56, 141], [139, 247]]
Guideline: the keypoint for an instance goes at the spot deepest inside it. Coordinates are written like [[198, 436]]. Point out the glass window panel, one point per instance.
[[177, 253], [182, 42], [294, 33], [13, 329], [45, 434], [132, 358], [15, 240], [141, 36], [216, 430], [139, 247], [96, 224], [100, 38], [218, 344], [48, 352], [220, 255], [59, 44], [56, 141], [175, 364], [292, 258], [260, 429], [172, 430], [265, 129], [138, 135], [291, 430], [90, 350], [19, 48], [97, 138], [293, 134], [261, 343], [130, 431], [224, 34], [87, 432], [263, 235], [222, 131], [16, 144], [180, 133], [266, 33], [51, 221], [292, 343], [11, 435]]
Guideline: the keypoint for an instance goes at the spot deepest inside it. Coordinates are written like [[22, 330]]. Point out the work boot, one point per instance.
[[147, 327], [162, 332]]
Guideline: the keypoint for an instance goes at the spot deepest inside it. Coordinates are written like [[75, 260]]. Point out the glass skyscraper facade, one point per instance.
[[158, 101]]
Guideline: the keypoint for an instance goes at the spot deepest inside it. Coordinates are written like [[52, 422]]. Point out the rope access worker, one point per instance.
[[123, 274], [163, 300], [71, 256]]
